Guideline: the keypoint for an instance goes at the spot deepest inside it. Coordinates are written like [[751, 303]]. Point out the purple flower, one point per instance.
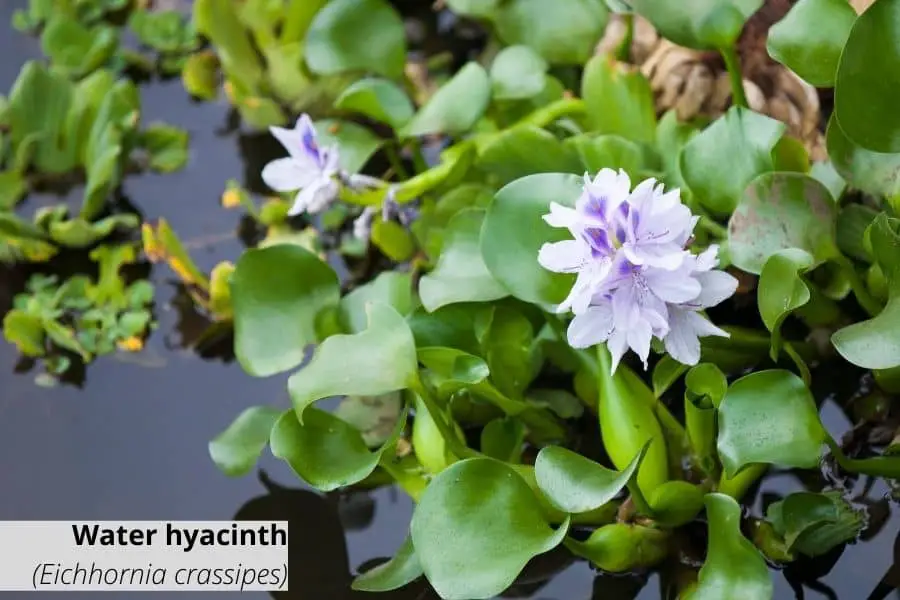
[[634, 278], [308, 168]]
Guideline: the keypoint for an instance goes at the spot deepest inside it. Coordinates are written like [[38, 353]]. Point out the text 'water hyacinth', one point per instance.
[[635, 279]]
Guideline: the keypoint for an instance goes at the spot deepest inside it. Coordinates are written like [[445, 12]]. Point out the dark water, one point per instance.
[[130, 443]]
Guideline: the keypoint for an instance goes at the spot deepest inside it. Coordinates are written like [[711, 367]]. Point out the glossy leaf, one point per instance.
[[456, 106], [703, 24], [576, 484], [621, 547], [734, 568], [782, 289], [325, 451], [665, 373], [508, 348], [780, 211], [675, 503], [393, 240], [809, 39], [873, 344], [460, 274], [746, 136], [200, 75], [502, 438], [565, 35], [355, 143], [167, 146], [219, 22], [618, 100], [373, 416], [463, 524], [378, 99], [517, 72], [390, 287], [523, 150], [875, 173], [402, 569], [864, 97], [814, 524], [236, 450], [277, 293], [383, 359], [769, 417], [356, 35], [26, 331], [513, 233], [12, 187], [852, 223], [608, 151]]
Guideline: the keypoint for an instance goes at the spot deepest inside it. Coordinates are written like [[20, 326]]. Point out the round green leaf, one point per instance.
[[769, 417], [403, 568], [378, 99], [456, 106], [734, 568], [513, 233], [524, 150], [390, 287], [781, 288], [608, 151], [356, 35], [277, 293], [780, 211], [502, 438], [517, 72], [864, 97], [875, 173], [237, 449], [747, 138], [356, 144], [565, 34], [809, 39], [460, 274], [383, 359], [576, 484], [618, 99], [476, 526], [325, 451], [700, 24]]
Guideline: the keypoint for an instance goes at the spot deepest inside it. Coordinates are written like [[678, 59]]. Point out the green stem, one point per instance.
[[799, 362], [877, 466], [713, 228], [437, 415], [553, 111], [738, 485], [869, 303], [410, 483], [732, 63], [396, 163], [623, 52]]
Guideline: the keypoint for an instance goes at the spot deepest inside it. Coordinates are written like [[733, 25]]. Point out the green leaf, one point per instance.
[[517, 72], [622, 547], [608, 151], [460, 274], [789, 154], [26, 331], [12, 187], [780, 211], [782, 290], [705, 385], [389, 287], [523, 150], [356, 144], [475, 499], [76, 49], [200, 75], [769, 417], [383, 358], [378, 99], [163, 30], [483, 9], [863, 100], [502, 438], [394, 240], [810, 38], [402, 569], [277, 294], [815, 523], [456, 106], [356, 35], [872, 344], [576, 484], [675, 503], [451, 326], [167, 145], [508, 347], [875, 173], [219, 22], [237, 449], [665, 373], [702, 24], [373, 416], [618, 99], [565, 35], [734, 568], [514, 231], [828, 176], [746, 136], [325, 451]]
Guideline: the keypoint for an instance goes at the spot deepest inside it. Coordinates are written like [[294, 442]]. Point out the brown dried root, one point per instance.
[[695, 83]]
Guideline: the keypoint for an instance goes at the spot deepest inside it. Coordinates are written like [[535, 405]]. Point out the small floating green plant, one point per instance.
[[463, 356]]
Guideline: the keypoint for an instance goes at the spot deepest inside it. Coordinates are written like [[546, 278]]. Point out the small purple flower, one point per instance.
[[308, 168], [634, 278]]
